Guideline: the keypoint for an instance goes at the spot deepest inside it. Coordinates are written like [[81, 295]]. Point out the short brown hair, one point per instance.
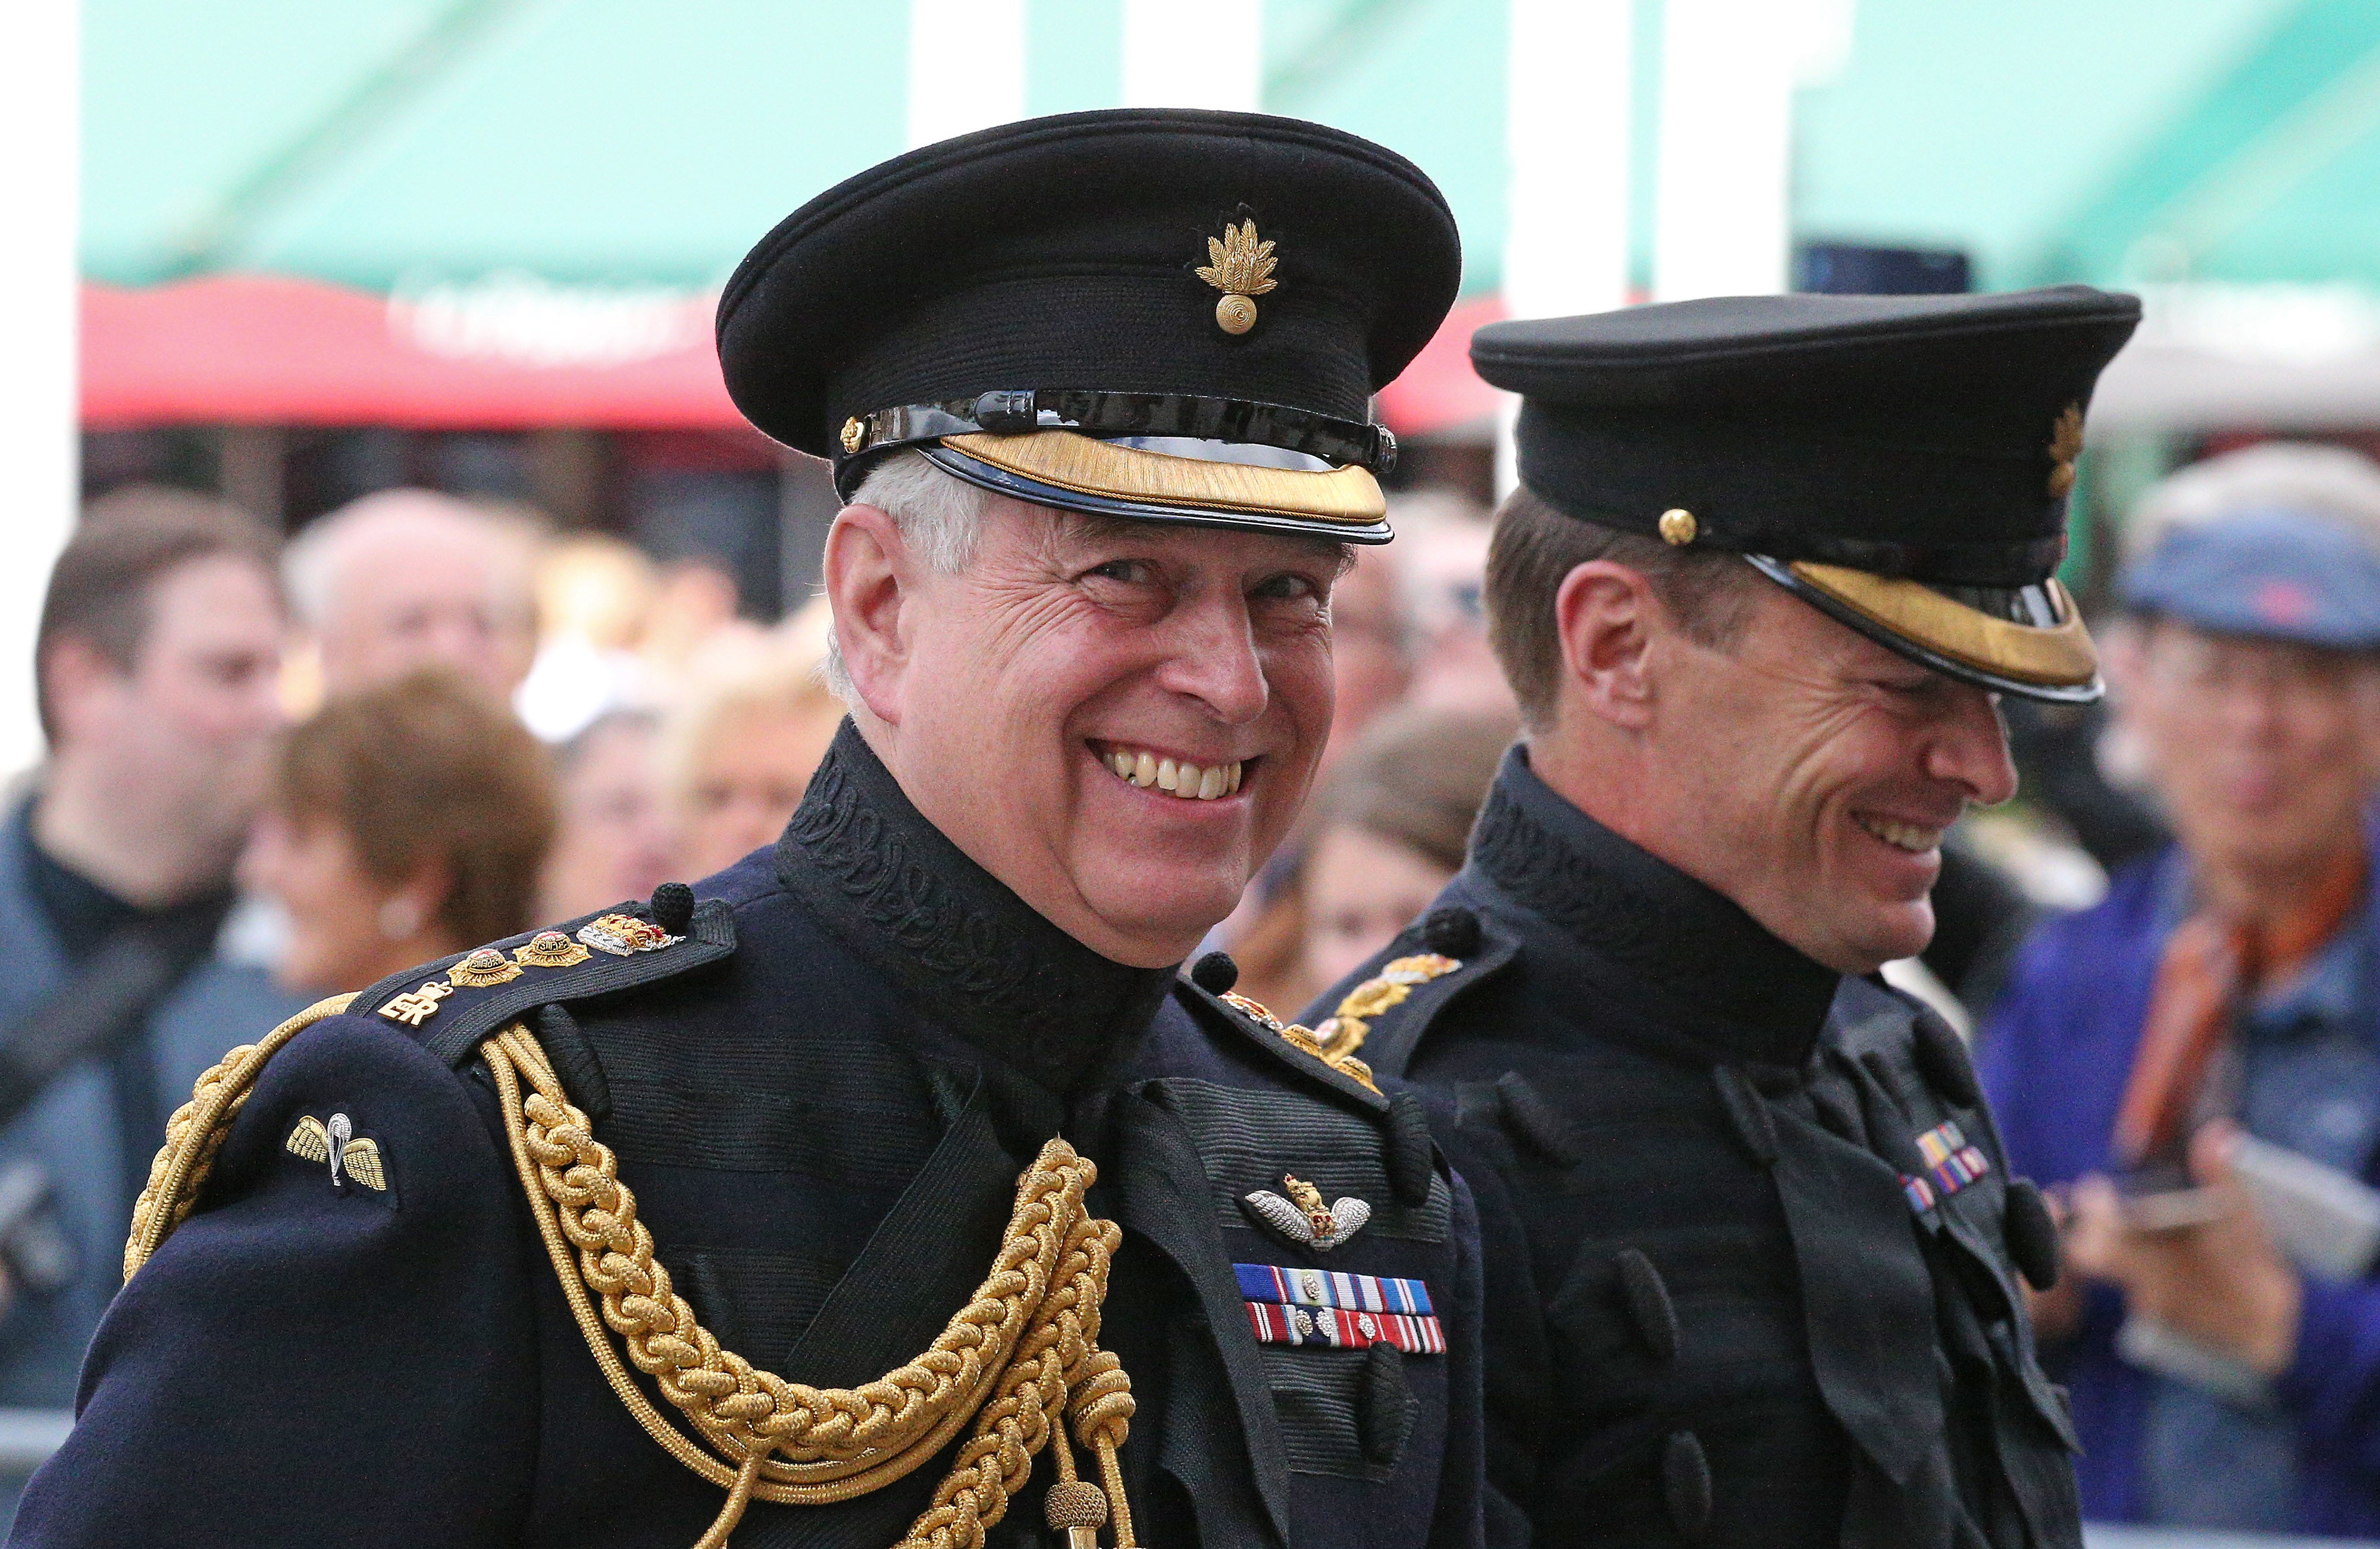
[[101, 589], [425, 770], [1417, 777], [1535, 546]]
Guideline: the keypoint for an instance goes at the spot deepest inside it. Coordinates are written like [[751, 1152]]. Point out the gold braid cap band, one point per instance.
[[1020, 1359]]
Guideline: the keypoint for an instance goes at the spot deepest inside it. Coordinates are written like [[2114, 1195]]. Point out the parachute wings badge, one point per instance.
[[352, 1157], [1303, 1218]]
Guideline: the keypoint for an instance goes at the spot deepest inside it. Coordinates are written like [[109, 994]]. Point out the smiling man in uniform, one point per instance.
[[911, 1107], [1751, 1249]]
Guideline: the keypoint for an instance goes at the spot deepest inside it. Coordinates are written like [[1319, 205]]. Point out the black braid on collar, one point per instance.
[[1694, 945], [979, 959]]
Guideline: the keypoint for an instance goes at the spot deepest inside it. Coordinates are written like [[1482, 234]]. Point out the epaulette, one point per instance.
[[1388, 1012], [1207, 987], [453, 1005]]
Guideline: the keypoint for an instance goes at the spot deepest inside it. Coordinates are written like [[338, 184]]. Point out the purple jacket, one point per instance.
[[2053, 1056]]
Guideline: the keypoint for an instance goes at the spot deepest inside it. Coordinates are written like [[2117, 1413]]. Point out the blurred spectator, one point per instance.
[[157, 657], [1386, 830], [752, 719], [1371, 646], [614, 841], [407, 577], [2234, 978], [406, 822], [1442, 550], [594, 598]]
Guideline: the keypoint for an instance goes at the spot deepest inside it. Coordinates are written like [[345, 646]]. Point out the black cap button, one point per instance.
[[1452, 930]]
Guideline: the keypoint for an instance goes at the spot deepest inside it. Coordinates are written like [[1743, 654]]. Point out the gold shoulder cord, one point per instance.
[[1020, 1359]]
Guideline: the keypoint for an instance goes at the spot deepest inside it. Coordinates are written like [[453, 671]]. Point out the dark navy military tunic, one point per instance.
[[822, 1100], [1746, 1224]]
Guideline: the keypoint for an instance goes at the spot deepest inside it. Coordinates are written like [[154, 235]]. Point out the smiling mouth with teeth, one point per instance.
[[1906, 836], [1191, 782]]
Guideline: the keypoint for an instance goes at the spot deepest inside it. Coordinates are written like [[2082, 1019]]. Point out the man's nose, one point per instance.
[[1969, 747], [1211, 656]]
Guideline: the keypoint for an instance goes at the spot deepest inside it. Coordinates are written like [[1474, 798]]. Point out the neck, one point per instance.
[[969, 952], [104, 829], [2265, 893]]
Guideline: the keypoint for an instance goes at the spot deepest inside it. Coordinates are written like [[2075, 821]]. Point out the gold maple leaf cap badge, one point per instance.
[[1239, 266]]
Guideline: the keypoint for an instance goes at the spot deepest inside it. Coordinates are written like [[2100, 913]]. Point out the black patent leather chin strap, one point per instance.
[[1342, 442]]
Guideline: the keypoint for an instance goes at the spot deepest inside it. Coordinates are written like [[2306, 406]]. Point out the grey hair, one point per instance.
[[312, 562], [2322, 482], [940, 517]]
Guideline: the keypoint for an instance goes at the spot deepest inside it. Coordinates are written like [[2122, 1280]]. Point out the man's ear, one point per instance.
[[1607, 618], [75, 675], [869, 573]]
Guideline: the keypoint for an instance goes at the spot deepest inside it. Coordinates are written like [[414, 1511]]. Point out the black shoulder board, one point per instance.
[[466, 1014], [1393, 1030], [1212, 1009]]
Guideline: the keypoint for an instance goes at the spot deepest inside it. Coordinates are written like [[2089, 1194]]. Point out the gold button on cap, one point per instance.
[[1678, 527]]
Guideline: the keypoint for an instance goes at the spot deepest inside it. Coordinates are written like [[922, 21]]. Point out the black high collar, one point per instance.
[[980, 960], [1683, 952]]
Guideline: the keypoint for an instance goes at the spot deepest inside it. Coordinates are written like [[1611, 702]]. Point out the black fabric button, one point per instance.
[[673, 907], [1452, 930], [1533, 1120], [1215, 973], [1649, 1307], [1410, 1155], [2032, 1233], [1382, 1400], [1686, 1484], [1943, 1061], [1747, 1113]]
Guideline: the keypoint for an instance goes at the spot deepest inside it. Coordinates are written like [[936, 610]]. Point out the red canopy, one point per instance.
[[509, 352]]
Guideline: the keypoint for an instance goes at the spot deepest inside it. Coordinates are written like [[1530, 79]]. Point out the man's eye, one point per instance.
[[1283, 589], [1131, 572]]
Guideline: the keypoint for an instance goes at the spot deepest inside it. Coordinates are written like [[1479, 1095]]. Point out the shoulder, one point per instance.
[[381, 1073], [453, 1005], [2122, 924], [1384, 1011]]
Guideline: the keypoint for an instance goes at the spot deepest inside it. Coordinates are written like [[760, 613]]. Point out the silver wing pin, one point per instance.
[[1303, 1218]]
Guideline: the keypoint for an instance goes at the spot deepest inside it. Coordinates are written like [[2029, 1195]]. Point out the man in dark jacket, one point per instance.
[[510, 1249], [1748, 1239]]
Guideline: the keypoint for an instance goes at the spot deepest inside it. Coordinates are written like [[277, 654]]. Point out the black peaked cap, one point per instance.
[[1925, 437], [1059, 254]]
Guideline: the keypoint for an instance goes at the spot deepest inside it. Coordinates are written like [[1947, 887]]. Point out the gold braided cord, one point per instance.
[[1020, 1358], [197, 1132]]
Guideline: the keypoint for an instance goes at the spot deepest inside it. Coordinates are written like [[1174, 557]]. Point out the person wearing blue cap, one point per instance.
[[2224, 1363]]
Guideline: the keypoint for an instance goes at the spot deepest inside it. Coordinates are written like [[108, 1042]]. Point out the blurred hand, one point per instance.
[[2057, 1312], [2221, 1284]]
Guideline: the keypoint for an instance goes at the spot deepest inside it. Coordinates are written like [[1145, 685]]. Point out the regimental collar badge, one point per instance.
[[623, 936], [2065, 446], [1303, 1218], [353, 1158], [1302, 1037], [549, 949], [480, 968], [1241, 267]]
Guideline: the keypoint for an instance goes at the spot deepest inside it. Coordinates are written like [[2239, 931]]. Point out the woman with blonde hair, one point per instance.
[[750, 723]]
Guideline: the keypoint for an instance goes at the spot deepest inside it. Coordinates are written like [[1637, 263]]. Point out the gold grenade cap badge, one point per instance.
[[1241, 267]]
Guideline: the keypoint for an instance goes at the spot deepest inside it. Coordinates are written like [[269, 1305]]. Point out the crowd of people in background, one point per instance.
[[278, 772]]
